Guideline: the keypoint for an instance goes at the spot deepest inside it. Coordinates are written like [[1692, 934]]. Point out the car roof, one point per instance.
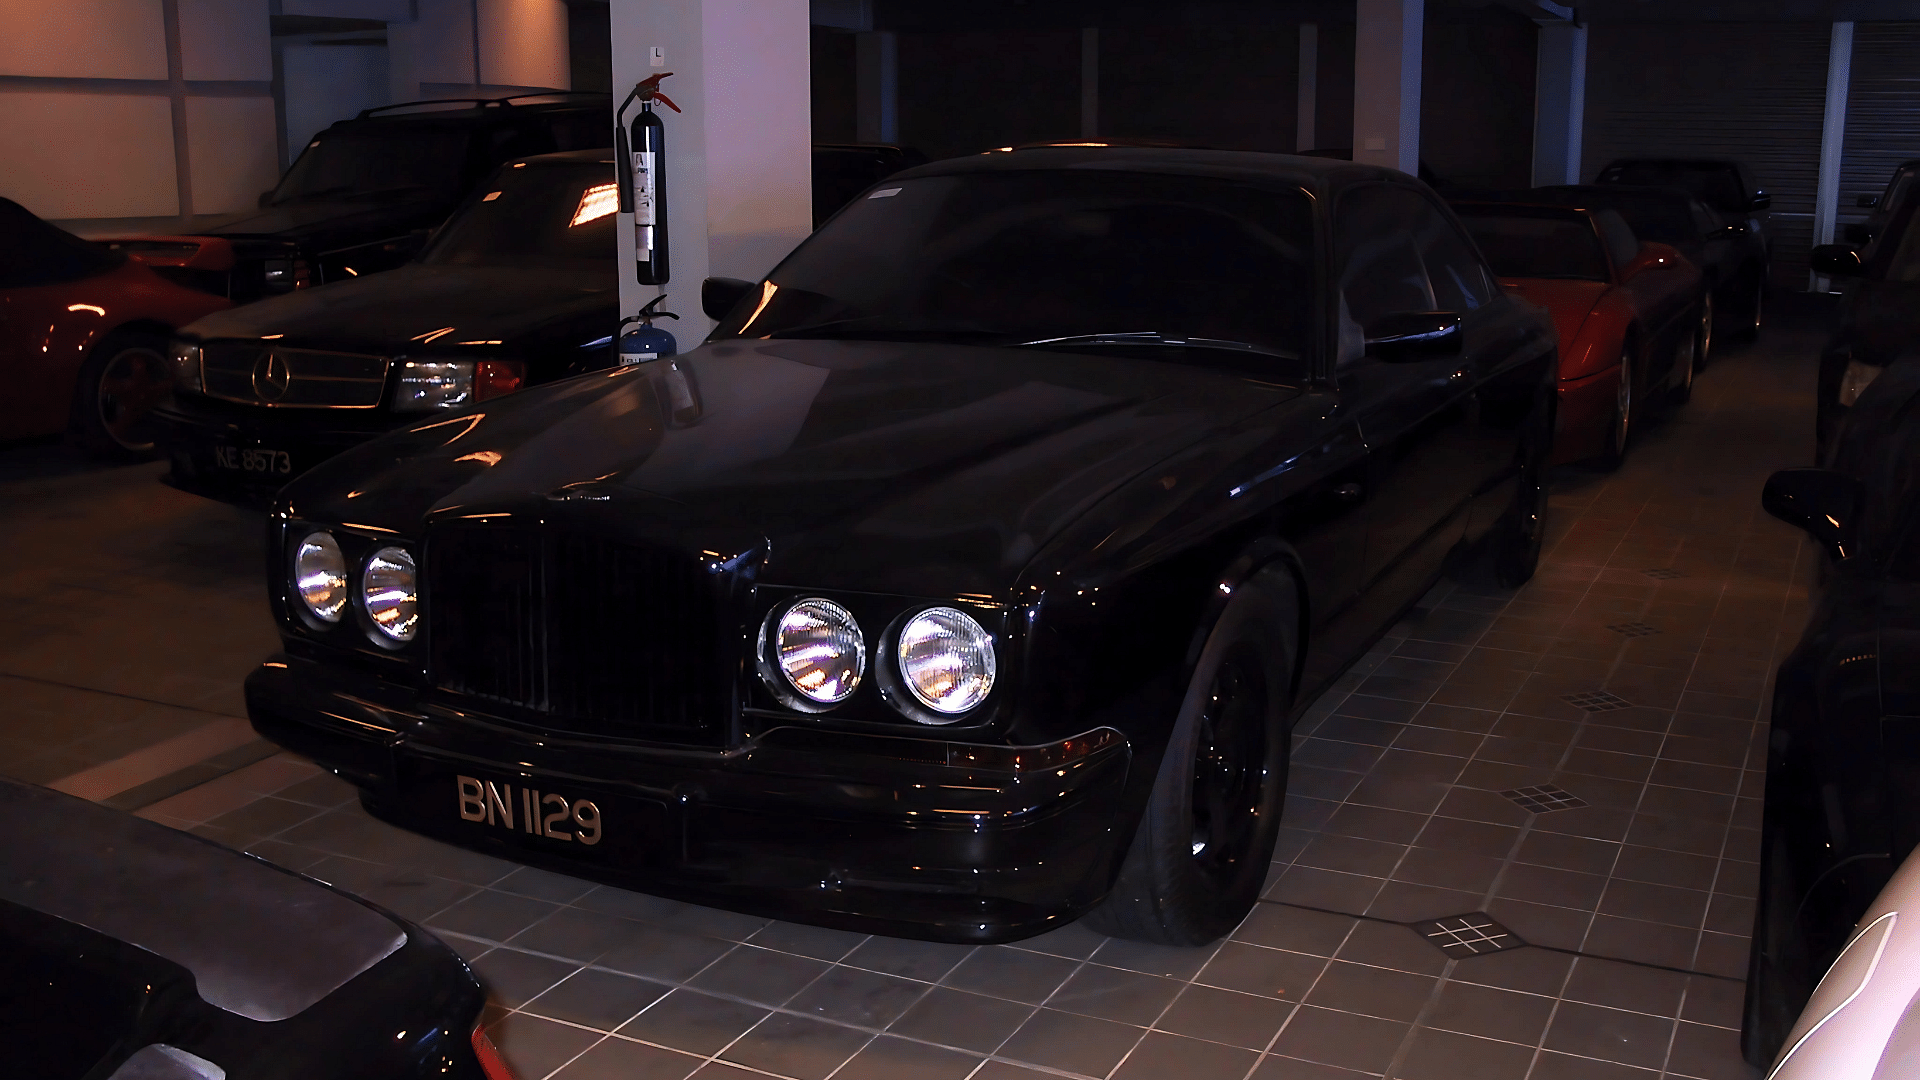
[[478, 111], [1685, 162], [1609, 192], [600, 156], [1293, 169]]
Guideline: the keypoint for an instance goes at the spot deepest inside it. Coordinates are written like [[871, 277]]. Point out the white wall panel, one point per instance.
[[97, 39], [230, 148], [435, 48], [225, 39], [94, 155], [759, 133], [524, 43]]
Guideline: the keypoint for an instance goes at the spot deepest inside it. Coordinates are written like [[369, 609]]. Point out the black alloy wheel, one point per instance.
[[1703, 345], [114, 397], [1205, 839], [1686, 361]]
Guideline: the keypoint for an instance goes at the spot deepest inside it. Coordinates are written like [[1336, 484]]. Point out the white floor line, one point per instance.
[[108, 779]]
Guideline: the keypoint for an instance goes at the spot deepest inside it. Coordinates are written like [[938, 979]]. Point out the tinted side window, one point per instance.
[[1704, 219], [1622, 245], [1454, 269], [1380, 270]]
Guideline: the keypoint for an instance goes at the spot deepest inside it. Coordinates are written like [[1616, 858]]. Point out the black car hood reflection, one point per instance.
[[868, 465], [388, 312]]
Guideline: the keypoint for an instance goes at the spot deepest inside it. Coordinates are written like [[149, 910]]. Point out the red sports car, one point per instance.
[[1631, 315], [83, 331]]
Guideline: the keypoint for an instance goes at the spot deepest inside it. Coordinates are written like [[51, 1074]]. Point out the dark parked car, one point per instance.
[[364, 193], [134, 952], [519, 288], [844, 170], [1879, 315], [1861, 233], [1732, 258], [968, 577], [1727, 186], [1842, 807]]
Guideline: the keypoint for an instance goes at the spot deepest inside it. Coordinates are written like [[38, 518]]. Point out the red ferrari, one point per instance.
[[1633, 323], [83, 331]]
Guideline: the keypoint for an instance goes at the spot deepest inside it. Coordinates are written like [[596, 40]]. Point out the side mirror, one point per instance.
[[1835, 260], [1867, 202], [1760, 201], [1414, 335], [1652, 254], [1823, 503], [718, 295]]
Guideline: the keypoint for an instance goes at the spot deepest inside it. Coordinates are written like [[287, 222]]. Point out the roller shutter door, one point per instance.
[[1883, 110], [1754, 92]]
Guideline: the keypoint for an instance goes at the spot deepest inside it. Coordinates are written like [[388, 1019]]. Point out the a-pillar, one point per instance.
[[738, 173], [1386, 82], [1559, 102]]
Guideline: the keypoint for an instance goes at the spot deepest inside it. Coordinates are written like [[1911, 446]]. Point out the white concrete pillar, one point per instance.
[[1833, 133], [1307, 99], [739, 159], [876, 86], [1559, 103], [1386, 82]]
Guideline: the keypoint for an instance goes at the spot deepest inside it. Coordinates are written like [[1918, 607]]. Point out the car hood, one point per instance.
[[437, 307], [328, 223], [911, 468], [1569, 302]]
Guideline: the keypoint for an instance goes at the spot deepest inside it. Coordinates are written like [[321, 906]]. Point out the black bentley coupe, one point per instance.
[[966, 580], [1842, 808], [130, 951], [518, 288], [1879, 315]]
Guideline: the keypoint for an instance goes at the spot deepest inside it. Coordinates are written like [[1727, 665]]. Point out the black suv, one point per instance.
[[363, 194]]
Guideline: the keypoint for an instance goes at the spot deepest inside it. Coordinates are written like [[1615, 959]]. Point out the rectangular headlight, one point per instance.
[[434, 384]]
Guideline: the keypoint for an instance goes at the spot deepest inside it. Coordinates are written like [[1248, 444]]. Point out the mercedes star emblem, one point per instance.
[[270, 377]]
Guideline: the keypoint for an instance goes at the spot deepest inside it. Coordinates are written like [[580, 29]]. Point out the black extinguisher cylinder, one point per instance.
[[648, 185]]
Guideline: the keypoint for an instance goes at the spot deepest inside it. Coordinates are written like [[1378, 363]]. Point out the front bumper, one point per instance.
[[1585, 415], [910, 837], [240, 455]]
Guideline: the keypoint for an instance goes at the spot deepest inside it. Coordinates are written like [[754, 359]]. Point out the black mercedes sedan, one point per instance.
[[1731, 257], [1842, 806], [519, 288], [966, 580], [1879, 316], [134, 952]]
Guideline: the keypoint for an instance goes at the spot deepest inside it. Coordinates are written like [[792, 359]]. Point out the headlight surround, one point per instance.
[[185, 358], [814, 649], [946, 661], [320, 577], [389, 596]]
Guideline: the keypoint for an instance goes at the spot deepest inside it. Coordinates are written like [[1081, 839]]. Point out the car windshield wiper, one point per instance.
[[1154, 337]]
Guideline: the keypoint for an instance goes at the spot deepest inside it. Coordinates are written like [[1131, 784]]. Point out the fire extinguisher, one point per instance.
[[639, 156], [647, 341]]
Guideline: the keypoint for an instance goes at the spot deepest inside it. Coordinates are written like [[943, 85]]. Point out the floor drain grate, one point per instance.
[[1597, 701], [1544, 799], [1664, 573], [1468, 935], [1633, 629]]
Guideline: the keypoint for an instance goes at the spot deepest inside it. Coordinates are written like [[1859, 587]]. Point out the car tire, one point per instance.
[[125, 376], [1620, 427], [1756, 304], [1686, 363], [1511, 551], [1205, 841], [1703, 342]]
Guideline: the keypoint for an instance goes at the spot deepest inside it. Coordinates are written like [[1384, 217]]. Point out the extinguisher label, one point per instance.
[[643, 183]]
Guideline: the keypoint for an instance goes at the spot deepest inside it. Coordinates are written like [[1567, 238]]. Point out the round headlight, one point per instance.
[[946, 660], [320, 576], [388, 592], [819, 648]]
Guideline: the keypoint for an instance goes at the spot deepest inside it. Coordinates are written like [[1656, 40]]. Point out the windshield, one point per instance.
[[1006, 258], [382, 158], [1716, 185], [1537, 246], [548, 217]]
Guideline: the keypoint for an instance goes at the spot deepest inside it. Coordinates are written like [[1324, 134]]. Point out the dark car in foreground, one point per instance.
[[1879, 316], [1880, 207], [1732, 259], [1842, 804], [1632, 316], [135, 952], [966, 579], [364, 193], [519, 288]]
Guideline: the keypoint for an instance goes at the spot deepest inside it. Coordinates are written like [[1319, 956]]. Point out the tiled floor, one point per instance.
[[1628, 678]]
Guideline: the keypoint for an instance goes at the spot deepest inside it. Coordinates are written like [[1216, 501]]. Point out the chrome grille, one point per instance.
[[258, 373], [578, 634]]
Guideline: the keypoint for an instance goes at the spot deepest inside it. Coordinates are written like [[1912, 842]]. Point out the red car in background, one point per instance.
[[83, 330], [1632, 316]]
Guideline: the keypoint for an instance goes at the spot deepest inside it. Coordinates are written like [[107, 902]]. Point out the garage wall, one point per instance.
[[962, 92], [1883, 111], [1476, 100], [1760, 100], [1232, 87], [92, 154]]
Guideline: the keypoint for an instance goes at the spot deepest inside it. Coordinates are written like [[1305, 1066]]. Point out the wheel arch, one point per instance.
[[1264, 554]]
